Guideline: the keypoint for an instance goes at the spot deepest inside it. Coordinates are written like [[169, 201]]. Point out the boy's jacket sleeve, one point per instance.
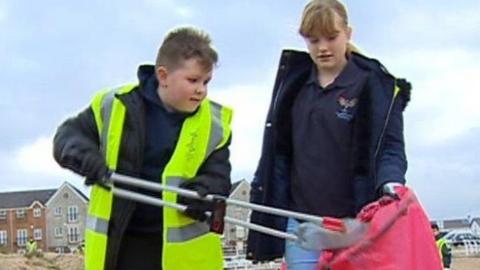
[[76, 138], [215, 171]]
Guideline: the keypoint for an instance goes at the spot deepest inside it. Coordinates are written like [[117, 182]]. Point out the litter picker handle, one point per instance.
[[161, 203], [147, 199], [124, 179]]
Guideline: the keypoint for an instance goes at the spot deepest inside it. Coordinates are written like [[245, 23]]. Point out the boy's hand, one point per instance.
[[95, 170], [196, 208], [197, 186]]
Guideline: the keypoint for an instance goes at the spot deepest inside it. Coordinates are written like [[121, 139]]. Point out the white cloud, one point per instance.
[[170, 5], [445, 93], [36, 158], [447, 189], [32, 166], [250, 104], [442, 24], [3, 12], [434, 48], [184, 12]]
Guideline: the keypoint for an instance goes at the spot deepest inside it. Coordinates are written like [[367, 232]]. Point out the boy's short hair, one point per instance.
[[434, 226], [184, 43]]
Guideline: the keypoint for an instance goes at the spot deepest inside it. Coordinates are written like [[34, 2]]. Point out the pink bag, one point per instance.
[[399, 238]]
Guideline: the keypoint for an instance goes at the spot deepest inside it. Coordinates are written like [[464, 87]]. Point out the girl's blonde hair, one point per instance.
[[319, 15]]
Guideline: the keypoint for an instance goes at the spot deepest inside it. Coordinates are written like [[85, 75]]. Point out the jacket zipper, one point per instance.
[[280, 87], [380, 139]]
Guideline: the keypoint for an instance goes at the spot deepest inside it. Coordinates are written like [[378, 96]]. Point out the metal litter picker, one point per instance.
[[317, 233]]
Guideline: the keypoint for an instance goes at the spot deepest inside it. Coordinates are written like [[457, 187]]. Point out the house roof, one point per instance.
[[235, 185], [80, 193], [477, 220], [71, 187], [19, 199], [456, 223]]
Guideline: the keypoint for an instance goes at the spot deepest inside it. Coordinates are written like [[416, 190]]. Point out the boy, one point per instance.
[[443, 248], [163, 130]]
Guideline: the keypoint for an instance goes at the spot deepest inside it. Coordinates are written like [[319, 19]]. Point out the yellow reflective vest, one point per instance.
[[440, 244], [187, 243], [31, 247]]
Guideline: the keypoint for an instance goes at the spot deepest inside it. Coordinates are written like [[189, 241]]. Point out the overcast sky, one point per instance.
[[54, 55]]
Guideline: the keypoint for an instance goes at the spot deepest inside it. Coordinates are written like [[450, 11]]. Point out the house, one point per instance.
[[468, 224], [453, 224], [29, 214], [23, 215], [234, 236], [475, 226], [66, 218]]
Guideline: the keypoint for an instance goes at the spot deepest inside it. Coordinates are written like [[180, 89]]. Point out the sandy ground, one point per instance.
[[466, 263], [49, 261], [53, 261]]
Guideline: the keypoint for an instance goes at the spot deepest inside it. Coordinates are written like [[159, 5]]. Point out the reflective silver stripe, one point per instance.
[[187, 232], [197, 229], [97, 224], [216, 131], [175, 181], [106, 110]]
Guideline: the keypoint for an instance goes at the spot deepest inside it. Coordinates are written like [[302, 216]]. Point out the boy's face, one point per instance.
[[183, 89]]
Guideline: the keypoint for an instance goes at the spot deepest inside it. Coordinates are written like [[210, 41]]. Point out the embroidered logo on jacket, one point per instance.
[[347, 104]]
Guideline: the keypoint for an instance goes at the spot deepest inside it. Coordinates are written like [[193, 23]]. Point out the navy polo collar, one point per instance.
[[347, 76]]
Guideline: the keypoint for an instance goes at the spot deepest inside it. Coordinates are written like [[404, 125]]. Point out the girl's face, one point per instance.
[[328, 52]]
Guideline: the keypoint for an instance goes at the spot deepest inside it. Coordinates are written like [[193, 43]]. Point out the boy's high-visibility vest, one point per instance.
[[187, 243]]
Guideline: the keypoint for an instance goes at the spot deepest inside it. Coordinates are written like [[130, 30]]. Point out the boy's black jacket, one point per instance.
[[78, 137]]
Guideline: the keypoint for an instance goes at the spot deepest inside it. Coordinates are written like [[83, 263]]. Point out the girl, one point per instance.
[[334, 133]]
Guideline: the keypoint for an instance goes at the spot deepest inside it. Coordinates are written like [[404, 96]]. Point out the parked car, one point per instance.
[[459, 238], [236, 262]]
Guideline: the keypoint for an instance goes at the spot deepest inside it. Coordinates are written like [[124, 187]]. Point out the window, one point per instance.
[[3, 238], [37, 234], [3, 214], [73, 235], [37, 212], [72, 214], [22, 236], [20, 213], [58, 211], [58, 231]]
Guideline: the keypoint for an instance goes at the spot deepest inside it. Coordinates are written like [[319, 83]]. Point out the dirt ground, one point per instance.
[[465, 263], [51, 261]]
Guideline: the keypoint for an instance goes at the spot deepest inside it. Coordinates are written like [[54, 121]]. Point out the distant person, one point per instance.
[[165, 130], [443, 248], [31, 247], [333, 138], [81, 248]]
